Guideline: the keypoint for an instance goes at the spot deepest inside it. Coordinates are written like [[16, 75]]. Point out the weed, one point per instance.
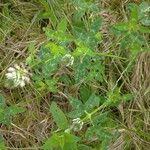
[[88, 66]]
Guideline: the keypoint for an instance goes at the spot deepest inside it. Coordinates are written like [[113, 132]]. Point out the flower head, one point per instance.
[[18, 74], [68, 60], [77, 124]]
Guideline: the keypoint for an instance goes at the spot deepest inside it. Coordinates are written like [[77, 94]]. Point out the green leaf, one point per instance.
[[145, 13], [62, 26], [121, 26], [58, 116], [87, 37], [53, 142], [105, 144], [55, 49], [13, 110], [2, 145], [101, 119], [2, 102], [8, 112], [99, 132], [66, 79], [49, 57], [145, 22], [52, 85], [81, 71], [4, 117], [144, 29], [75, 103], [30, 60], [92, 102], [77, 17], [84, 147], [134, 12], [58, 35], [78, 108], [85, 93], [96, 25], [82, 50], [48, 13], [64, 141], [113, 97], [96, 70], [70, 142]]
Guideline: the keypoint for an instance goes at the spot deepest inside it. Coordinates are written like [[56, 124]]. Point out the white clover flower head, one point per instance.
[[147, 10], [77, 124], [18, 74], [77, 120], [68, 60], [67, 130]]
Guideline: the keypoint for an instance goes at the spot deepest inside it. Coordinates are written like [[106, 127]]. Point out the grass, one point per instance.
[[27, 27]]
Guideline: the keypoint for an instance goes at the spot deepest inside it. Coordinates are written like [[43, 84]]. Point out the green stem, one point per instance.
[[89, 115]]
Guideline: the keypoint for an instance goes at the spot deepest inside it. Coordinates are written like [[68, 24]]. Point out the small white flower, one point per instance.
[[19, 75], [68, 60], [147, 10], [22, 83], [16, 82], [9, 76], [14, 74], [27, 79], [77, 120], [17, 66], [77, 124], [11, 69]]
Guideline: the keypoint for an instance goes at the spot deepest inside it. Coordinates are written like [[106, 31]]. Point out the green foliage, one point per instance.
[[5, 24], [144, 13], [92, 102], [6, 113], [89, 69], [2, 145], [85, 93], [100, 129], [114, 97], [82, 7], [63, 141], [47, 64], [132, 31], [80, 108], [99, 132], [84, 147], [51, 53], [60, 34], [75, 28], [90, 37], [58, 116], [2, 102], [47, 12]]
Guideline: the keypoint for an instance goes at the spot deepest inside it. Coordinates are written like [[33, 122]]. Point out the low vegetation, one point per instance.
[[74, 75]]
